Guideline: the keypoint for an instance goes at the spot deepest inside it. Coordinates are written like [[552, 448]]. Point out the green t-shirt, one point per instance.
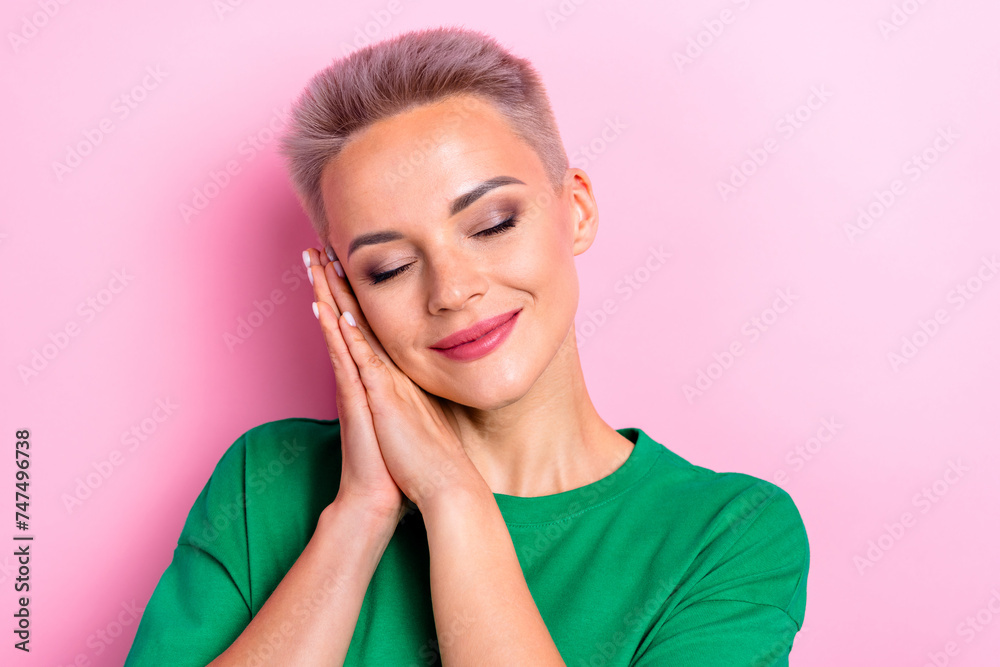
[[660, 563]]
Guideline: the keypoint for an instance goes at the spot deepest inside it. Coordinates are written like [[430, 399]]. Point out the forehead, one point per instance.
[[409, 167]]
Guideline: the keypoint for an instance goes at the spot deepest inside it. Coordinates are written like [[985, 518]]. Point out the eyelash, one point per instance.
[[507, 224]]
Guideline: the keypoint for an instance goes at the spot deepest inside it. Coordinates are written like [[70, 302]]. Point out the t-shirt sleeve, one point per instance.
[[746, 599], [202, 601]]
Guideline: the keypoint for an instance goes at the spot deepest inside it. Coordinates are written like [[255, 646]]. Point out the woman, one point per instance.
[[485, 513]]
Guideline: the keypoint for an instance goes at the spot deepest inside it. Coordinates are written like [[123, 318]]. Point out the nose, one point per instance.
[[454, 280]]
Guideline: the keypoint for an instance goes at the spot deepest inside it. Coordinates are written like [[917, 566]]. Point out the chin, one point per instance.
[[484, 393], [485, 401]]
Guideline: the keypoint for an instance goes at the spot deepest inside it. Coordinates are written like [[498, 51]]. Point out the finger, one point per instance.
[[346, 301], [321, 288], [350, 388], [331, 255], [327, 255], [337, 265], [373, 370]]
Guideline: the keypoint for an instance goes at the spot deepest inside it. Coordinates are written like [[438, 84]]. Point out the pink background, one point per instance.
[[662, 134]]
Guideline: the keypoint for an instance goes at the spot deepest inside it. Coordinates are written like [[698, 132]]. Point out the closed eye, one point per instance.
[[504, 226], [509, 223]]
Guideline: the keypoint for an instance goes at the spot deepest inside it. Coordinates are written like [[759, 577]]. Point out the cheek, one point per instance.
[[374, 314], [392, 329], [541, 261]]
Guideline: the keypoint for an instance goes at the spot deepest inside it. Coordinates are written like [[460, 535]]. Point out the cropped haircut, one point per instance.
[[419, 67]]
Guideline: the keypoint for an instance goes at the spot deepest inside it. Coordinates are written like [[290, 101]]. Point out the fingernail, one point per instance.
[[310, 274], [315, 310], [350, 318], [329, 252], [338, 268], [305, 258]]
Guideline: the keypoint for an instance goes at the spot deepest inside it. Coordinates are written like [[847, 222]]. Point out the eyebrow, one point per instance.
[[458, 204]]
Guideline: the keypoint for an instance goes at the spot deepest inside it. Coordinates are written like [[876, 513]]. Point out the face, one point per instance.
[[426, 258]]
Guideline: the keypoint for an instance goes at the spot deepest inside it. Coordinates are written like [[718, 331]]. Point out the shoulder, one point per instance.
[[289, 439], [268, 488], [736, 500], [760, 539], [285, 459], [289, 455], [277, 444], [737, 528], [305, 432]]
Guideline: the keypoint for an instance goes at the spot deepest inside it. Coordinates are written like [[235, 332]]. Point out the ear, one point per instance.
[[582, 208]]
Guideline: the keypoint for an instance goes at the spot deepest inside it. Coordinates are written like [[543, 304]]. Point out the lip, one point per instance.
[[479, 339]]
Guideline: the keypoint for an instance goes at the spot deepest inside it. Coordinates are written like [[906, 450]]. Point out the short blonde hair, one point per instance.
[[392, 76]]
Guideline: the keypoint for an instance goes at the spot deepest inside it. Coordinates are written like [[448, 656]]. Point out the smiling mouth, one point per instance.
[[480, 337], [484, 328], [486, 343]]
